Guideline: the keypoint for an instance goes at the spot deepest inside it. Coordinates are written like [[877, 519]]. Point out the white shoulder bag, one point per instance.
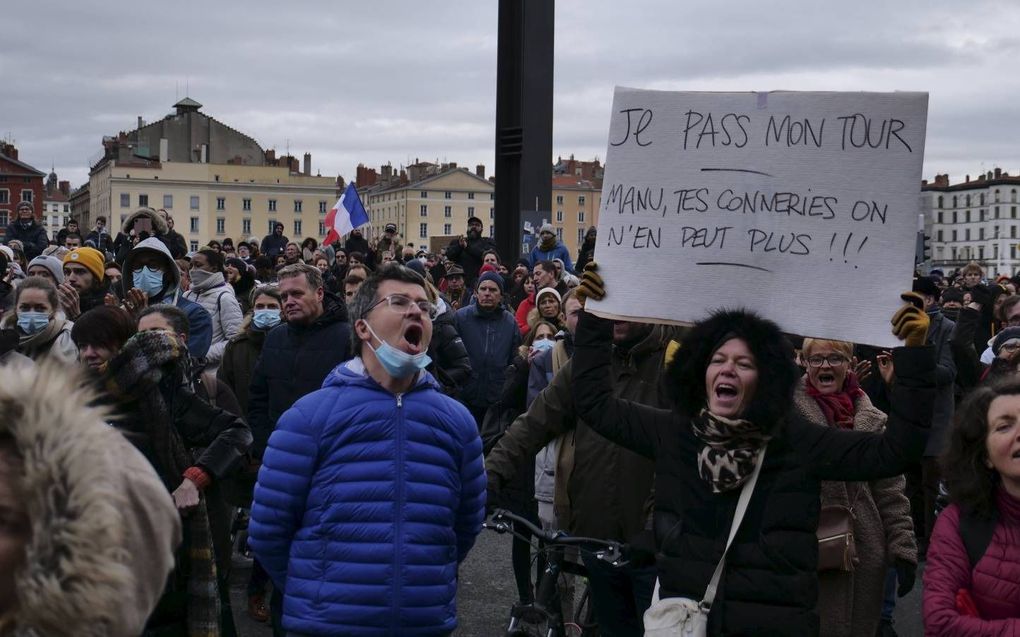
[[682, 616]]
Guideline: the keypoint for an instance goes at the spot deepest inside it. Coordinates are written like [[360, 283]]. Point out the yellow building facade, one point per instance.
[[432, 211], [574, 209], [215, 201]]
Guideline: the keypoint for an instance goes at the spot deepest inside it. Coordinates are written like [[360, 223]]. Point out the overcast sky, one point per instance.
[[382, 81]]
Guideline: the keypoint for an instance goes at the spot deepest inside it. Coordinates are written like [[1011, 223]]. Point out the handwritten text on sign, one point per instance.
[[802, 206]]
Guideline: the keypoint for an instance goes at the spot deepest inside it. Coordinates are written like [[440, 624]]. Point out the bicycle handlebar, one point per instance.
[[607, 550]]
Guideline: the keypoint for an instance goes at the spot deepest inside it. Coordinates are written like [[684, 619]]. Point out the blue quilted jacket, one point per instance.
[[365, 505]]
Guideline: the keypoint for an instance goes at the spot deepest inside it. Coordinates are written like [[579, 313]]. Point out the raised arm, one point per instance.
[[632, 425], [842, 455]]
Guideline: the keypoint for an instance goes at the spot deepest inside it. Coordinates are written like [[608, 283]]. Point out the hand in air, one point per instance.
[[592, 286], [910, 322]]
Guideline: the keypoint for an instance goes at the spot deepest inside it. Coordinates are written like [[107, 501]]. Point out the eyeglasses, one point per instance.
[[401, 305], [1010, 347], [834, 360]]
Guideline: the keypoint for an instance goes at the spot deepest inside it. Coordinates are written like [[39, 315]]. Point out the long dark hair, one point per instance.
[[970, 481]]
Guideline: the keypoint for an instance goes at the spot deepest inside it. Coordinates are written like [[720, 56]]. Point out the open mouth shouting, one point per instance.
[[411, 339]]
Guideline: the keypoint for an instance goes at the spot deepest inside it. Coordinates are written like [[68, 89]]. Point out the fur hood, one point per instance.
[[159, 225], [777, 372], [104, 528]]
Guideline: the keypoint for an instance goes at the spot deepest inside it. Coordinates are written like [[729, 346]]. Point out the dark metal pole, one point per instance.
[[524, 109]]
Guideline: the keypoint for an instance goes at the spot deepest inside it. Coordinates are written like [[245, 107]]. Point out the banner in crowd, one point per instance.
[[800, 206]]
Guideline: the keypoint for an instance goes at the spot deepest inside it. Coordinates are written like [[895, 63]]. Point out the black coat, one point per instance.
[[295, 360], [273, 245], [451, 364], [469, 257], [491, 339], [770, 584], [33, 238]]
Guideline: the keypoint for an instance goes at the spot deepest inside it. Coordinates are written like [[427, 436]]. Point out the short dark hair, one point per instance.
[[70, 235], [214, 258], [100, 218], [311, 273], [547, 265], [365, 296], [971, 483], [1007, 305], [174, 315], [105, 325], [491, 251]]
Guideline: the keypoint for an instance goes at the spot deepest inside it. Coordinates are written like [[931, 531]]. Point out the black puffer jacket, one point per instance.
[[33, 237], [769, 585], [451, 364], [295, 360]]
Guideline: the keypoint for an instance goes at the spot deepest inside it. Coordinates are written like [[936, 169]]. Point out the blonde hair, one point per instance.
[[843, 347]]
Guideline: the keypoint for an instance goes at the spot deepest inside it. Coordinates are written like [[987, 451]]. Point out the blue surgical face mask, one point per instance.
[[397, 363], [266, 319], [33, 322], [542, 345], [148, 280]]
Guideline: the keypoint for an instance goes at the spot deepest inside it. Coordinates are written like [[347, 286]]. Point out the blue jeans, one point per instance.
[[889, 598]]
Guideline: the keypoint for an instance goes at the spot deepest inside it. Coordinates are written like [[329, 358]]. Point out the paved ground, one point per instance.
[[487, 591]]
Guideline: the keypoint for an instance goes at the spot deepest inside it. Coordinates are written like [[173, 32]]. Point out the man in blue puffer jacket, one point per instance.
[[372, 489]]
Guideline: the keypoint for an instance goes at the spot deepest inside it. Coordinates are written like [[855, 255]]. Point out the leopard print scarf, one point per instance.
[[730, 450]]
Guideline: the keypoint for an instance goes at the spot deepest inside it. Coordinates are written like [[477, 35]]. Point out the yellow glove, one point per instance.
[[592, 286], [910, 322]]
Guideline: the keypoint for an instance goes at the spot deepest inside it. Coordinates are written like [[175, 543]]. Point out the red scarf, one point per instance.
[[838, 407]]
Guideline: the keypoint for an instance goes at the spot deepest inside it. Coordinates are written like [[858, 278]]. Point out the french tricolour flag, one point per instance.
[[346, 215]]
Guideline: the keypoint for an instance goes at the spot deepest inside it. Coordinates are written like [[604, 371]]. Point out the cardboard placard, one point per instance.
[[800, 206]]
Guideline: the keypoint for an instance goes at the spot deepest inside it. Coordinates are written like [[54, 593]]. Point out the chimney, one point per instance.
[[308, 164], [65, 187], [9, 150], [453, 165], [998, 173], [141, 122], [271, 156], [480, 170], [967, 179]]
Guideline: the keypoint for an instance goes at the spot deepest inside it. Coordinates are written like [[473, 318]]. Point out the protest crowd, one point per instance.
[[348, 414]]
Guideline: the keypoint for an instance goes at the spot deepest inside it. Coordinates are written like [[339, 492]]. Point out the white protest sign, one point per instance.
[[800, 206]]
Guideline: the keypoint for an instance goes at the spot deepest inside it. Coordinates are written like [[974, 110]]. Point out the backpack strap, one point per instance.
[[976, 532]]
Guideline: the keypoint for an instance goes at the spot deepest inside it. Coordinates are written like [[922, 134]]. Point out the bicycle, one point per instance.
[[544, 617]]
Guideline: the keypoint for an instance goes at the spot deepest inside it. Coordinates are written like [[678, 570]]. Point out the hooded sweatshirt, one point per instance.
[[217, 297], [199, 321]]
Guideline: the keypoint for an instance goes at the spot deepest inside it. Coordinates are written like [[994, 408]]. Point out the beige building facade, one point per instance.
[[575, 208], [215, 201], [432, 210]]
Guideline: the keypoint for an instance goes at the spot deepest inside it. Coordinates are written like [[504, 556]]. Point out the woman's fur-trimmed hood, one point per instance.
[[777, 371], [159, 225], [103, 526]]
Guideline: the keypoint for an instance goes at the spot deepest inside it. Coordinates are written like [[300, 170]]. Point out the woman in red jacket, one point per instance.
[[982, 472]]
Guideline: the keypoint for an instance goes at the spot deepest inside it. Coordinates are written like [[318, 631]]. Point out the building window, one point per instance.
[[559, 233], [580, 217], [940, 236], [143, 200], [492, 231], [1012, 212], [1012, 252], [447, 229], [968, 201], [423, 210], [447, 211], [297, 228], [221, 203], [194, 246], [996, 212], [982, 199], [471, 195], [194, 224], [1012, 196], [194, 202], [4, 218], [221, 225], [272, 223], [492, 213], [1012, 232], [981, 234], [447, 195], [580, 200], [954, 235], [981, 252], [424, 194], [580, 235], [559, 200], [26, 195], [966, 234], [168, 201], [559, 216], [246, 204], [322, 207], [272, 205], [968, 217], [423, 230], [67, 207], [5, 196], [322, 229], [940, 202], [246, 227], [297, 205]]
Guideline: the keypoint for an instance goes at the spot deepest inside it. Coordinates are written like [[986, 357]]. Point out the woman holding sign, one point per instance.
[[738, 474]]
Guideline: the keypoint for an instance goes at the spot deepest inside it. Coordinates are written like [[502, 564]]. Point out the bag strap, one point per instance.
[[738, 517], [976, 533]]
